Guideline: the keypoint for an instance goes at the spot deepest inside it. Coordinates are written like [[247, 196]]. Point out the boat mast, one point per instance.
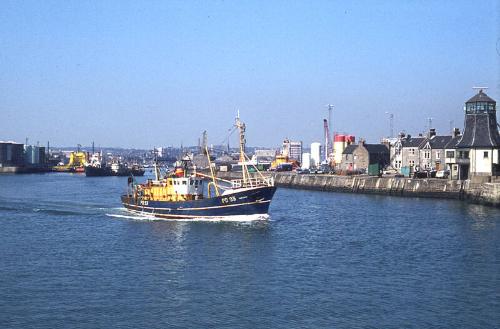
[[241, 127], [212, 171], [155, 165]]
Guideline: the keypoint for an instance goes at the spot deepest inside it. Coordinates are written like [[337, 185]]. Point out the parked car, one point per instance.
[[301, 171], [442, 174], [390, 171]]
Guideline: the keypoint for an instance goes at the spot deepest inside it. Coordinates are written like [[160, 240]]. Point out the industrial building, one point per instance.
[[340, 142], [306, 161], [293, 150], [11, 154], [34, 155]]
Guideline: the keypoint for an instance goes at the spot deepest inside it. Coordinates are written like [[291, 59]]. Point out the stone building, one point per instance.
[[451, 155], [410, 152], [359, 157], [347, 161], [432, 153]]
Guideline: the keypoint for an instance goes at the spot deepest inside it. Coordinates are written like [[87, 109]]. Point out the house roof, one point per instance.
[[413, 141], [480, 97], [453, 142], [349, 149], [440, 142], [376, 148]]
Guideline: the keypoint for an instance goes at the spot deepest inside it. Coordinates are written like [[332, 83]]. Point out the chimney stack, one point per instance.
[[432, 132], [456, 132]]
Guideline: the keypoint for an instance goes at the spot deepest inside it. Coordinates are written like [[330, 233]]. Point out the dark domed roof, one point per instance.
[[481, 97]]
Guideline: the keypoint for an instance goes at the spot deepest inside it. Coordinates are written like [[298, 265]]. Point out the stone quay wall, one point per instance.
[[484, 193]]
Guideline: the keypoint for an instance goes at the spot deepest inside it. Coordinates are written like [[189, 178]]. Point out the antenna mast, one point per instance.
[[327, 137], [391, 124]]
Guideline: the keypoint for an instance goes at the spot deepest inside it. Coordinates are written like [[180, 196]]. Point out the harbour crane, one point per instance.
[[328, 129]]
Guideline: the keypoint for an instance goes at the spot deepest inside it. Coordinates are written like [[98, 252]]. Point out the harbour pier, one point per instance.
[[487, 193]]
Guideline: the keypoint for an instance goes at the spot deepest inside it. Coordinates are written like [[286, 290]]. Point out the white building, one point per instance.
[[477, 149], [315, 154], [306, 161]]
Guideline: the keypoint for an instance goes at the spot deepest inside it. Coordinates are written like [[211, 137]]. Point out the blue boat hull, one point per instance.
[[255, 201]]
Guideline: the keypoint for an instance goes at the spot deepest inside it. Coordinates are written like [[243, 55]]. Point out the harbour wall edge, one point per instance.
[[483, 193]]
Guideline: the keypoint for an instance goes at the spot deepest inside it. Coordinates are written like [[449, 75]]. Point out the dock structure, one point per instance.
[[487, 193]]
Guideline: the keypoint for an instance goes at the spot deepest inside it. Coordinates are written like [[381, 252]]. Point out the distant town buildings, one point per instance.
[[265, 155], [471, 154]]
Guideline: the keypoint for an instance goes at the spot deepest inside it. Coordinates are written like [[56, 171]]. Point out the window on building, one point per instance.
[[184, 182], [412, 151], [412, 163], [427, 155], [486, 155], [450, 154], [438, 155]]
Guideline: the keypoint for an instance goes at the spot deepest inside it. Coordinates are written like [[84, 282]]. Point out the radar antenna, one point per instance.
[[479, 89]]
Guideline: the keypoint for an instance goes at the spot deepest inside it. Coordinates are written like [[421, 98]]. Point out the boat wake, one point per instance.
[[238, 218]]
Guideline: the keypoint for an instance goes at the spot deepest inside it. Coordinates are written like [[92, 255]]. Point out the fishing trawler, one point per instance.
[[180, 194]]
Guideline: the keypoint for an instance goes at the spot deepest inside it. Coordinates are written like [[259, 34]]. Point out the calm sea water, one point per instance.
[[71, 257]]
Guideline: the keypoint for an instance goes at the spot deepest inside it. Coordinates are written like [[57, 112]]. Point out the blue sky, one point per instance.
[[146, 73]]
